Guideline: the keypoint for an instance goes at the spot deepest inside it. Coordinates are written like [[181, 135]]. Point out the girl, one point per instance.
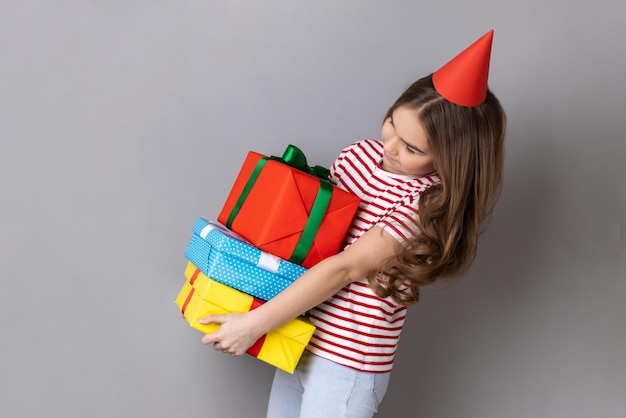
[[426, 190]]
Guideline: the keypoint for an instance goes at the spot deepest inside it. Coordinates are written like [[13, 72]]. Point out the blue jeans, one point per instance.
[[323, 388]]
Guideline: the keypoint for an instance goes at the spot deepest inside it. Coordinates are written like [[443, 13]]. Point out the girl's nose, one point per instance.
[[391, 145]]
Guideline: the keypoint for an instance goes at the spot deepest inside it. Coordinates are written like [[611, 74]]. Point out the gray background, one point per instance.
[[122, 121]]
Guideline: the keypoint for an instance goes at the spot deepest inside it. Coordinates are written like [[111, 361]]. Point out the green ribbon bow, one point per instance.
[[295, 158]]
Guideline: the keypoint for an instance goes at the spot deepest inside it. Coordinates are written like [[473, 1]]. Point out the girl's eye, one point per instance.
[[410, 150], [391, 121]]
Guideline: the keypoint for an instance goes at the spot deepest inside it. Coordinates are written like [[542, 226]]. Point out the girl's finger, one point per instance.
[[213, 319]]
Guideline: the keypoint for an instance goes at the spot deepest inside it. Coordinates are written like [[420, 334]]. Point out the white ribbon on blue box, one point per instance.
[[227, 258]]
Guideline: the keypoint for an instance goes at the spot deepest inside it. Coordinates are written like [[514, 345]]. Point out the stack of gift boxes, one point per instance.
[[280, 218]]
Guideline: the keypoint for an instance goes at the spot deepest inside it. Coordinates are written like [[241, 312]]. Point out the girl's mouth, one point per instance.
[[389, 158]]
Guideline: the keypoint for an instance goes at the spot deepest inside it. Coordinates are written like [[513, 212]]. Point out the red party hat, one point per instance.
[[463, 80]]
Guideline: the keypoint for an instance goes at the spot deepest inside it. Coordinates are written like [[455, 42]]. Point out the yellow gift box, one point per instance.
[[201, 296]]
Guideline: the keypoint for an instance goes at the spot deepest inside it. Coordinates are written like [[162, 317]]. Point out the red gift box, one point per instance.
[[280, 208]]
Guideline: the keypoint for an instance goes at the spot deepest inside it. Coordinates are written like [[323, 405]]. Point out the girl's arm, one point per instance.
[[238, 331]]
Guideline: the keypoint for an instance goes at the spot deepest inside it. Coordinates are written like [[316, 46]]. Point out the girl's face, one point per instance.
[[407, 150]]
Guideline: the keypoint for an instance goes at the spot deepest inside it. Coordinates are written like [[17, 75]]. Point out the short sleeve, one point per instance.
[[403, 222]]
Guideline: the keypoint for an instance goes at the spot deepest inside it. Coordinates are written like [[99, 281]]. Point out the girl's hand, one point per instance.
[[236, 334]]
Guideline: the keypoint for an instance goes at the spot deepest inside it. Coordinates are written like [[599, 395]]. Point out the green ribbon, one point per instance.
[[295, 158]]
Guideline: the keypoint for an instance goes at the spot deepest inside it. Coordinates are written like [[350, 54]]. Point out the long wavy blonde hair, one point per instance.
[[467, 146]]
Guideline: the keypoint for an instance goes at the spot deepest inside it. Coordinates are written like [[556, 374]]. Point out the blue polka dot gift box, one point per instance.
[[227, 258]]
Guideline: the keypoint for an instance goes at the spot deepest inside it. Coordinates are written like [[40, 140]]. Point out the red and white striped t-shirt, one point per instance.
[[355, 327]]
